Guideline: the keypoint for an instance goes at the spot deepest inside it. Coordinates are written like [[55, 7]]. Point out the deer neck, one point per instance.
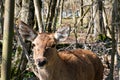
[[53, 57]]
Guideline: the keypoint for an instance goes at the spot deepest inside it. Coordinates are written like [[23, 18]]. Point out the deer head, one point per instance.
[[43, 43]]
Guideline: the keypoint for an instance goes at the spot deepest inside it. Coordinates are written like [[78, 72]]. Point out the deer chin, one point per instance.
[[43, 74], [42, 67]]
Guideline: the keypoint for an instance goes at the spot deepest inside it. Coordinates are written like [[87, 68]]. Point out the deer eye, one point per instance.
[[33, 45]]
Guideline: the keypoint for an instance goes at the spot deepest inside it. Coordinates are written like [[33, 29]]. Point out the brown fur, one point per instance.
[[67, 66], [83, 54], [98, 66]]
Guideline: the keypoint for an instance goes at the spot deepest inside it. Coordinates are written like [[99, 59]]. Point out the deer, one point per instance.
[[76, 64]]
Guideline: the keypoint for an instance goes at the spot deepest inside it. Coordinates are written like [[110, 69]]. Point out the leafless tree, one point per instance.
[[114, 20], [38, 6], [56, 15], [61, 11], [8, 39]]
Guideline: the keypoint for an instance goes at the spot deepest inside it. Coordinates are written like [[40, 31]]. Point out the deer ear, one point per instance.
[[26, 32], [62, 33]]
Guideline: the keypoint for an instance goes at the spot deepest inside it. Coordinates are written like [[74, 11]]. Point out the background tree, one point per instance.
[[56, 15], [98, 20], [52, 14], [1, 15], [7, 40], [118, 35], [114, 51], [61, 11], [38, 8], [81, 12]]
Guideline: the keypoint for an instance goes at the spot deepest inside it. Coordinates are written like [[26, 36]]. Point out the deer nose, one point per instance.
[[41, 62]]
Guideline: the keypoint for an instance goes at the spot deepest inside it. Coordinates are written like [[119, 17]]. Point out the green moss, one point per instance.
[[103, 37]]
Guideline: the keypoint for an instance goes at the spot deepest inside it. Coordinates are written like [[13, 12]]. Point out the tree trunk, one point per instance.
[[61, 11], [106, 23], [108, 16], [118, 34], [25, 10], [38, 6], [56, 15], [7, 40], [31, 14], [100, 6], [98, 21], [1, 16], [48, 13], [118, 26], [52, 14], [81, 13], [113, 40], [18, 6], [118, 46]]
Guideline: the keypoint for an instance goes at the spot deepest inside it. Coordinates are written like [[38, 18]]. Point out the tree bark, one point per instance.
[[81, 13], [106, 22], [18, 6], [61, 11], [118, 34], [118, 26], [38, 6], [7, 40], [31, 14], [118, 46], [100, 6], [56, 15], [25, 10], [48, 13], [98, 21], [1, 16], [52, 14], [113, 40]]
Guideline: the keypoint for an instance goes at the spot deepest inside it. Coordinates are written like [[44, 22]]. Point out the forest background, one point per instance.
[[95, 25]]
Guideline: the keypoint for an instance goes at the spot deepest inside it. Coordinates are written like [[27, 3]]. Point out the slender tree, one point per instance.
[[98, 20], [81, 12], [52, 14], [61, 11], [25, 10], [38, 6], [56, 15], [1, 15], [7, 40], [100, 9], [118, 33], [114, 20], [118, 47], [31, 14], [48, 13]]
